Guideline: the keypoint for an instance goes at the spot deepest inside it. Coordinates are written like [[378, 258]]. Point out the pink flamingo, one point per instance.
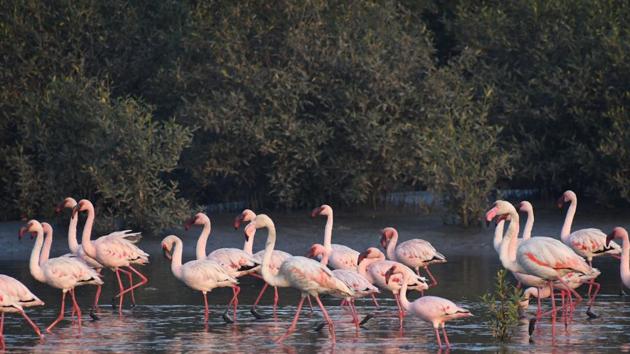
[[14, 296], [415, 253], [63, 273], [544, 257], [351, 278], [341, 257], [201, 274], [77, 249], [113, 251], [373, 266], [277, 258], [432, 309], [528, 208], [306, 275], [235, 261], [624, 267]]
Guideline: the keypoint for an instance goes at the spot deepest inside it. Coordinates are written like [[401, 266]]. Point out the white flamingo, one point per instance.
[[14, 296], [341, 257], [624, 266], [201, 274], [63, 273], [304, 274]]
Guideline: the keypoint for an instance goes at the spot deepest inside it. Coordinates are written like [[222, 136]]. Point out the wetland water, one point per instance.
[[169, 316]]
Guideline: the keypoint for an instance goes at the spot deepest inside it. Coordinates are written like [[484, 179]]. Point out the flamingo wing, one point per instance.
[[206, 274], [343, 257], [14, 288], [549, 258], [417, 252], [592, 241]]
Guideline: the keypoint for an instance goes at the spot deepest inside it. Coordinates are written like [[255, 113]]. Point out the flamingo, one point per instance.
[[624, 266], [277, 258], [528, 208], [113, 251], [432, 309], [235, 261], [341, 257], [415, 253], [63, 273], [14, 296], [373, 266], [351, 278], [544, 257], [77, 250], [200, 274], [306, 275]]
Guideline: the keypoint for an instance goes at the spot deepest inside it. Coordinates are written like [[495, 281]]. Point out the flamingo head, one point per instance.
[[33, 226], [69, 203], [566, 197], [386, 236], [500, 207], [82, 205], [525, 206], [395, 269], [315, 250], [245, 216], [370, 253], [198, 219], [250, 229], [324, 209], [618, 232], [168, 243]]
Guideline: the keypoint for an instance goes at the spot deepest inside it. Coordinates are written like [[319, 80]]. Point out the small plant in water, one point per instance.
[[503, 307]]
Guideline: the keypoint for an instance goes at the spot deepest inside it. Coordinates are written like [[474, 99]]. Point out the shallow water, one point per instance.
[[170, 317]]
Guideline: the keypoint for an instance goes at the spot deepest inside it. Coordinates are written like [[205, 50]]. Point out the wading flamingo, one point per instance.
[[373, 266], [14, 296], [527, 208], [77, 250], [236, 262], [341, 257], [353, 280], [277, 258], [624, 267], [432, 309], [306, 275], [63, 273], [544, 257], [112, 251], [415, 253], [201, 274]]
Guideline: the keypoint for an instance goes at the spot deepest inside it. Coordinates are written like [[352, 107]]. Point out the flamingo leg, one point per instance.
[[437, 335], [539, 311], [275, 300], [237, 290], [434, 281], [553, 310], [401, 314], [76, 307], [96, 297], [60, 317], [448, 344], [331, 325], [375, 302], [294, 322], [143, 281], [310, 304], [206, 314], [262, 291], [2, 330], [133, 297], [121, 294], [355, 314]]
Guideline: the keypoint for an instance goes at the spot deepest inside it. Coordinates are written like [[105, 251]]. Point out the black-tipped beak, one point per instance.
[[609, 238], [75, 210]]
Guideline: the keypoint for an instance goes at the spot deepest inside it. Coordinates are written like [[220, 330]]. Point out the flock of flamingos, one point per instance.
[[543, 264]]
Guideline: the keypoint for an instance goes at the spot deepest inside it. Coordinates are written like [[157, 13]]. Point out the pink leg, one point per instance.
[[433, 280], [256, 275], [60, 317], [401, 314], [35, 328], [437, 335], [592, 300], [355, 314], [294, 323], [374, 300], [128, 273], [96, 297], [331, 325], [121, 292], [2, 330], [76, 307], [275, 300], [237, 290], [539, 311], [448, 344], [143, 280], [262, 291], [553, 310], [206, 315], [310, 304]]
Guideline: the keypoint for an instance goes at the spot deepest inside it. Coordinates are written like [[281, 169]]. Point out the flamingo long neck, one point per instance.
[[325, 257], [529, 225], [73, 244], [267, 275], [35, 268], [509, 245], [402, 295], [176, 262], [391, 246], [568, 221], [624, 266], [48, 237], [328, 231], [87, 244], [248, 246], [498, 235], [362, 268], [203, 239]]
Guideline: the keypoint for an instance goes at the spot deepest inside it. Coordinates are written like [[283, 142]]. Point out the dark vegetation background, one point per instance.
[[149, 108]]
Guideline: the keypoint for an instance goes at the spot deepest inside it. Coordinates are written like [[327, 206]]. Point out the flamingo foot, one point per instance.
[[591, 315], [227, 317], [258, 315], [93, 315], [365, 319], [532, 326], [320, 326]]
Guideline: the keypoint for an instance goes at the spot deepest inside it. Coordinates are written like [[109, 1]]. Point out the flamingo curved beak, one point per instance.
[[315, 212], [21, 232], [75, 210], [250, 229], [189, 222], [167, 253], [362, 256], [490, 215], [609, 238], [389, 274], [560, 202], [237, 221], [310, 253]]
